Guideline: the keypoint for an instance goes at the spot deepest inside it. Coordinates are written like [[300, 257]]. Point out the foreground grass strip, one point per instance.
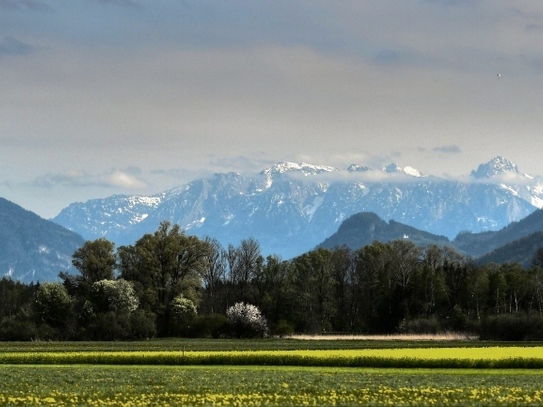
[[264, 386], [492, 357]]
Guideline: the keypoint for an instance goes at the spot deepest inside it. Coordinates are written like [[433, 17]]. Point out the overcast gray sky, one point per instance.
[[103, 97]]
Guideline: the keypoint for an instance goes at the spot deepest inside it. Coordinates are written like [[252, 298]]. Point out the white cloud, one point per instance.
[[370, 176], [450, 149], [81, 179], [123, 180]]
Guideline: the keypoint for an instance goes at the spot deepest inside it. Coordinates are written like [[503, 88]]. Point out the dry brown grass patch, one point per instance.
[[448, 336]]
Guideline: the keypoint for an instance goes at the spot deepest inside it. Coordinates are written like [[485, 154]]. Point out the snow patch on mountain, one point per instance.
[[43, 249], [228, 218], [510, 189], [312, 208], [537, 202], [196, 224], [413, 172]]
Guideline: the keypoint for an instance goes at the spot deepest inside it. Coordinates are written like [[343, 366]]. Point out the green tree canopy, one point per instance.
[[53, 304], [164, 261], [95, 260]]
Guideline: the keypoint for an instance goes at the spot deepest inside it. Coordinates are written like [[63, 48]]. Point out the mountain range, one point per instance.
[[291, 208]]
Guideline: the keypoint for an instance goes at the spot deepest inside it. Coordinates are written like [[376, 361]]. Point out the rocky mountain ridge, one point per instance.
[[290, 208]]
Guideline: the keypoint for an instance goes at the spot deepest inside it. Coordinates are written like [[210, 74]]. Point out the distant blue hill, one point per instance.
[[32, 248], [364, 228]]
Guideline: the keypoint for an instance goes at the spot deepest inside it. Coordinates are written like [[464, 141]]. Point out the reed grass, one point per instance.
[[441, 337]]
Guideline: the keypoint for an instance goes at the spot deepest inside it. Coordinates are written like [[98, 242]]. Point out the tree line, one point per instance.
[[171, 284]]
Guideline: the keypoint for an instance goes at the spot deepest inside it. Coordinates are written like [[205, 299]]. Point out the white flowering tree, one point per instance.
[[114, 295], [246, 320], [109, 309]]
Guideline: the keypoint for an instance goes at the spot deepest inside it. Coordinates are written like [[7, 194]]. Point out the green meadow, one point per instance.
[[160, 373]]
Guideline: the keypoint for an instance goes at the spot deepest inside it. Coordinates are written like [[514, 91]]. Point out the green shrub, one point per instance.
[[421, 326], [143, 324], [108, 326], [15, 328], [210, 326], [45, 332], [512, 327], [282, 328]]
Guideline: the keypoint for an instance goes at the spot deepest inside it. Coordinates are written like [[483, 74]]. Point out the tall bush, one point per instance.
[[183, 313]]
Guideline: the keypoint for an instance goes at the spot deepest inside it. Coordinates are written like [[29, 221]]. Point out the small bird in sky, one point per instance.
[[499, 76]]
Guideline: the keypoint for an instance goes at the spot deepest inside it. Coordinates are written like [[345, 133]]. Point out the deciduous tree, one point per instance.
[[53, 305], [164, 261]]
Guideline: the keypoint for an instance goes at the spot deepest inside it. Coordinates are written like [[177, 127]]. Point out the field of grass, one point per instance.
[[264, 386], [238, 373], [295, 343]]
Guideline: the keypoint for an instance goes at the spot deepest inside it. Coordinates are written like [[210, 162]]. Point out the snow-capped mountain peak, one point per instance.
[[358, 168], [393, 168], [290, 167], [509, 178], [304, 168], [496, 166]]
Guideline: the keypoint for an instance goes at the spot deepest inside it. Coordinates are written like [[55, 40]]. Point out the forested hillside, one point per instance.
[[515, 243], [364, 228], [478, 244], [520, 251]]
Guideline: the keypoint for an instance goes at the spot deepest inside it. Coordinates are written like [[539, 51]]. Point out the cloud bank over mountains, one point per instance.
[[181, 89]]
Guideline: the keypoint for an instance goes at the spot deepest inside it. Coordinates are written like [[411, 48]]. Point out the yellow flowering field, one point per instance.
[[468, 357], [71, 385], [99, 375]]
